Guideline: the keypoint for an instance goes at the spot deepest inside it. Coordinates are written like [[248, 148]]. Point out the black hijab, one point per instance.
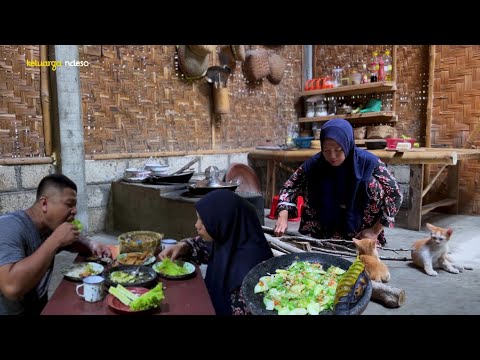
[[339, 193], [239, 244]]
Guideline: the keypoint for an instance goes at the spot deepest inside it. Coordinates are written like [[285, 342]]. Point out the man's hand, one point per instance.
[[100, 250], [64, 235]]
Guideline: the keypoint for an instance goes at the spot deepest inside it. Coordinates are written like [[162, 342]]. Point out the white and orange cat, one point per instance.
[[375, 269], [431, 253]]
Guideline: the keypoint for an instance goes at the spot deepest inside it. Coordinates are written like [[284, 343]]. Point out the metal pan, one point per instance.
[[255, 301], [177, 179]]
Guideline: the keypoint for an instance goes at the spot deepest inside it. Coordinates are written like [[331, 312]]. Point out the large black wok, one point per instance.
[[254, 301], [177, 178]]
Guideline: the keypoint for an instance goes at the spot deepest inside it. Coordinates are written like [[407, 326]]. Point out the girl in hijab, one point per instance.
[[231, 241], [349, 192]]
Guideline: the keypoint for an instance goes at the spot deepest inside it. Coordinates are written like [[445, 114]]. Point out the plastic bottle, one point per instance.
[[292, 133], [381, 69], [387, 65]]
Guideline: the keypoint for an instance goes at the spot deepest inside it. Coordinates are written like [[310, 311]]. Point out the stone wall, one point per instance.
[[18, 183]]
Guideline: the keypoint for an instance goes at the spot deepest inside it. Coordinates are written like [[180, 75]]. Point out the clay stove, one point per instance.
[[166, 208]]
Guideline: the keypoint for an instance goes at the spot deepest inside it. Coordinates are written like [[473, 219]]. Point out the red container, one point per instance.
[[392, 142]]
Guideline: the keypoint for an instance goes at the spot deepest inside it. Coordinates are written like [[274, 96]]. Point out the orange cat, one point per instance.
[[375, 269], [431, 253]]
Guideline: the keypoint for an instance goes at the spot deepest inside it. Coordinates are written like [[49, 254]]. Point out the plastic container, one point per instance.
[[392, 142]]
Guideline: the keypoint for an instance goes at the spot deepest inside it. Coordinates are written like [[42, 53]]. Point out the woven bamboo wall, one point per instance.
[[412, 79], [455, 114], [135, 101], [412, 90], [21, 121]]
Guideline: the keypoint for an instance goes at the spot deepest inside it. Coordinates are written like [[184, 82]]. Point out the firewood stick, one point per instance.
[[388, 296], [282, 244], [277, 252]]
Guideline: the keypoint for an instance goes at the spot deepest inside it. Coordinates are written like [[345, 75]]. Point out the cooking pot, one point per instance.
[[211, 182]]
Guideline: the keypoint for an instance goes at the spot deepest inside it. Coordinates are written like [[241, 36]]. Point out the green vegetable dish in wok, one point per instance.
[[303, 288]]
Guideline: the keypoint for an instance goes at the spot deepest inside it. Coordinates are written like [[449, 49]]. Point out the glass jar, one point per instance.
[[310, 110], [321, 109]]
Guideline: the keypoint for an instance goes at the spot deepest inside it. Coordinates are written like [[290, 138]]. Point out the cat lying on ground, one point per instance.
[[431, 253], [375, 269]]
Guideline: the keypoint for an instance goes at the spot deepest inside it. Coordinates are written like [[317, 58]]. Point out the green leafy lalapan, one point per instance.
[[78, 224]]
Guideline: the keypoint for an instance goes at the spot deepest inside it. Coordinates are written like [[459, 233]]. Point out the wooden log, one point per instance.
[[388, 296], [282, 245], [27, 160]]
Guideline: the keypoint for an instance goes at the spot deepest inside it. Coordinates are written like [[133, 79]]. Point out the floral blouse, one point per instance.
[[384, 202], [200, 254]]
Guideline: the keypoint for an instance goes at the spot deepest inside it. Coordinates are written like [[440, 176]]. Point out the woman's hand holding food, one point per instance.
[[176, 251]]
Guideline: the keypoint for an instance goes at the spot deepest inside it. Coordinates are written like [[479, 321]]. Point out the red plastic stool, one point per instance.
[[273, 207]]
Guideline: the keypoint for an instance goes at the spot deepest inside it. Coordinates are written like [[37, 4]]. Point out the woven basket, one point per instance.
[[238, 52], [359, 132], [140, 241], [380, 132], [202, 50], [277, 68], [256, 65]]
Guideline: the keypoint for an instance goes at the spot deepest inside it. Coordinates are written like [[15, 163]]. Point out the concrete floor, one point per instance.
[[425, 295]]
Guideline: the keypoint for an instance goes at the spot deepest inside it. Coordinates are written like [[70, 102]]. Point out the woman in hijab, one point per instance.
[[231, 241], [349, 192]]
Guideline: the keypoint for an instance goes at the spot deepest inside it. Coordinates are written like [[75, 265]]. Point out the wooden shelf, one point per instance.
[[365, 118], [368, 88]]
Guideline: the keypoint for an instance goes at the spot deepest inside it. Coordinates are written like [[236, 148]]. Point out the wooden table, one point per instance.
[[182, 297], [417, 159]]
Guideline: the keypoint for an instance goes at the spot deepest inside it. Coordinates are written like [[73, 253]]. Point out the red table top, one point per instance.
[[182, 297]]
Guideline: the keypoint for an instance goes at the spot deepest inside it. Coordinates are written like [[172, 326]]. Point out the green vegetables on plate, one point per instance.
[[172, 268]]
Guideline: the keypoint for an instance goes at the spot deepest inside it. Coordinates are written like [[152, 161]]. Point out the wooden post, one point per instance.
[[453, 186], [45, 101], [414, 221], [428, 124]]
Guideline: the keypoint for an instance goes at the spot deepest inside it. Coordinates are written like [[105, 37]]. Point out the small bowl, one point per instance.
[[158, 168], [136, 173]]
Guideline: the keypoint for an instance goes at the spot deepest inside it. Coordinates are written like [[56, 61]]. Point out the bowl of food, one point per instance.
[[176, 269], [310, 289], [130, 275], [140, 241]]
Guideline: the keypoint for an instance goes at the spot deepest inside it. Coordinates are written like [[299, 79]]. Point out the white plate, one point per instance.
[[78, 271], [186, 265], [148, 261]]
